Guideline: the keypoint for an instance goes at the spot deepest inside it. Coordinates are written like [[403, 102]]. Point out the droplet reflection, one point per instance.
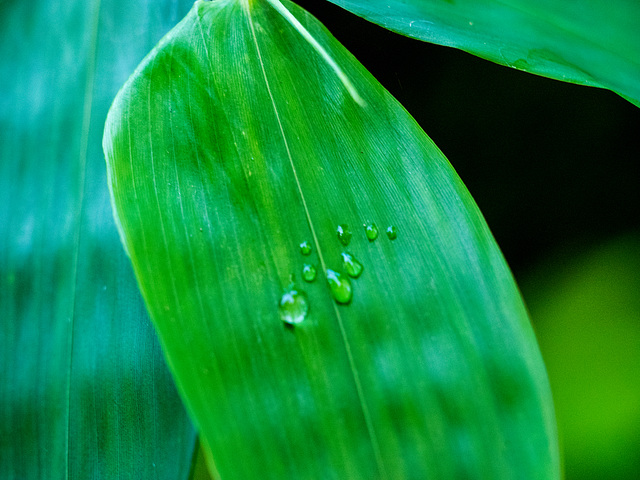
[[340, 287], [305, 248], [344, 234], [309, 272], [293, 307], [371, 231], [352, 266]]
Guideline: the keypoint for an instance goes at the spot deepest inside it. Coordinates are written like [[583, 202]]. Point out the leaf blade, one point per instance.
[[84, 383], [588, 43], [232, 144]]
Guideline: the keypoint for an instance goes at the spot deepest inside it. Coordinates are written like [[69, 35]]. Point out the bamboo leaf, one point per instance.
[[593, 42], [85, 392], [236, 155]]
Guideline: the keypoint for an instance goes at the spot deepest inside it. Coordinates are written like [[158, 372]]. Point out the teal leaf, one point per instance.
[[85, 392], [591, 42]]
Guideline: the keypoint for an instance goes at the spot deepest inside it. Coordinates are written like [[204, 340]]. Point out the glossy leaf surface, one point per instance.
[[594, 42], [84, 389], [234, 143]]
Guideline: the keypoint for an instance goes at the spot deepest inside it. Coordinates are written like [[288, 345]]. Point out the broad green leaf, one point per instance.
[[594, 42], [234, 142], [84, 390]]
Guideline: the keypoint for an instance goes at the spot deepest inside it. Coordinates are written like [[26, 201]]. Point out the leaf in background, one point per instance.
[[586, 309], [593, 42], [85, 392], [233, 143]]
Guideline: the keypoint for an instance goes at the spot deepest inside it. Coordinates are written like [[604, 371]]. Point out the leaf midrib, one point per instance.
[[356, 378], [82, 162]]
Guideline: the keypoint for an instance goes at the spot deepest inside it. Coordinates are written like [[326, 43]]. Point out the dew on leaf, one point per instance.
[[392, 232], [340, 287], [305, 248], [352, 266], [344, 234], [293, 306], [309, 272], [371, 230]]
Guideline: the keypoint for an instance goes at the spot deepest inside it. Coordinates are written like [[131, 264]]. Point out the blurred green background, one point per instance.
[[555, 168]]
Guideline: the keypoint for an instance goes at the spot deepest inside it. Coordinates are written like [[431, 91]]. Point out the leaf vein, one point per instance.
[[358, 384]]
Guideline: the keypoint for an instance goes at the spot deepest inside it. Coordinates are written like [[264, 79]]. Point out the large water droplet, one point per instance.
[[305, 248], [340, 286], [344, 234], [309, 272], [392, 232], [293, 306], [352, 266], [371, 231]]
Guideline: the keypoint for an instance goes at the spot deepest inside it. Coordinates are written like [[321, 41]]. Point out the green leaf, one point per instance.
[[85, 390], [593, 42], [234, 142]]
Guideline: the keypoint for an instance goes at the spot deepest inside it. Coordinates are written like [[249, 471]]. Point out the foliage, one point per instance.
[[220, 166], [84, 382], [584, 42]]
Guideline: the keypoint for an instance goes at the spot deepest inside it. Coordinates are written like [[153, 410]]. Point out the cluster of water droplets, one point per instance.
[[294, 303]]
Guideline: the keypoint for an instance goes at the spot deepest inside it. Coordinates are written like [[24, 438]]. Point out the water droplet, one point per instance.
[[352, 266], [293, 306], [392, 232], [371, 231], [309, 272], [344, 234], [305, 248], [340, 286]]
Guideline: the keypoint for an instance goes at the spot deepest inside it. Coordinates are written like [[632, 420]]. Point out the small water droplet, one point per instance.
[[392, 232], [340, 286], [305, 248], [371, 231], [352, 266], [344, 234], [293, 306], [309, 272]]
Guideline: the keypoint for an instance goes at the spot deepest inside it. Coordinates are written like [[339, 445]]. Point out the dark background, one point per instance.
[[549, 163], [555, 168]]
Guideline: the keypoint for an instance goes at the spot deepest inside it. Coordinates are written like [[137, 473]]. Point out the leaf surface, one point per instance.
[[85, 392], [594, 42], [233, 143]]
